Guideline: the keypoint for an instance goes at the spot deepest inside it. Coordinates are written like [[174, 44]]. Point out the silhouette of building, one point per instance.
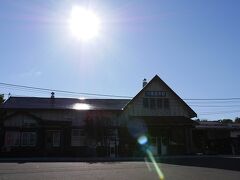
[[156, 118], [216, 137]]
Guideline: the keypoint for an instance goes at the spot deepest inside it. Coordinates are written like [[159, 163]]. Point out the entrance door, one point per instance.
[[112, 149], [163, 146], [159, 145], [53, 140], [154, 146]]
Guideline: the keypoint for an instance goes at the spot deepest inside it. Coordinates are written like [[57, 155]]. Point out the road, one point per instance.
[[109, 171]]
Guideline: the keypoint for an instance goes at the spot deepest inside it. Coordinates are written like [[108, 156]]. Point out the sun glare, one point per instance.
[[81, 106], [84, 23]]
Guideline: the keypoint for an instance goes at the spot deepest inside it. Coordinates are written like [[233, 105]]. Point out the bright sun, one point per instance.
[[84, 24]]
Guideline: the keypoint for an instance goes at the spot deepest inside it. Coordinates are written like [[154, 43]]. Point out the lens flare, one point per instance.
[[81, 106], [137, 128], [139, 131], [157, 168], [142, 140]]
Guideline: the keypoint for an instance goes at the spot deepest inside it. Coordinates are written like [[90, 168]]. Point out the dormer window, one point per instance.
[[156, 103]]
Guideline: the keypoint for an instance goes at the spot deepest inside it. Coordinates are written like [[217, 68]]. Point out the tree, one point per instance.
[[227, 121], [237, 120], [1, 98]]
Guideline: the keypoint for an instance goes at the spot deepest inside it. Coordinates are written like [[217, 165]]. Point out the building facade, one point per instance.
[[156, 117], [216, 137]]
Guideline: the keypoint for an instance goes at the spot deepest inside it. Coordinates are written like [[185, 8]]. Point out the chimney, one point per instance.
[[52, 95], [144, 82]]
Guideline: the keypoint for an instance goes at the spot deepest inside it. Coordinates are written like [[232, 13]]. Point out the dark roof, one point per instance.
[[157, 78], [64, 103]]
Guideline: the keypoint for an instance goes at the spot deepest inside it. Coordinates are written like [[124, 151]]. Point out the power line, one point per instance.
[[218, 112], [45, 90], [41, 90], [213, 102], [63, 91], [172, 104], [214, 99], [216, 106]]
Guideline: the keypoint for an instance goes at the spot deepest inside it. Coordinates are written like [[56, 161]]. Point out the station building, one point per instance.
[[156, 117]]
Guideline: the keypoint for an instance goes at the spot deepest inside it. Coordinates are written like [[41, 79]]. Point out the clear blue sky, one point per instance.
[[194, 46]]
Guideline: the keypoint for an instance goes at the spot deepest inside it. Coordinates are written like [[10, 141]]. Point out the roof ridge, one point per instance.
[[67, 98]]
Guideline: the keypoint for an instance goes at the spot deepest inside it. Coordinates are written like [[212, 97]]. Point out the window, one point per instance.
[[163, 94], [152, 103], [147, 93], [112, 150], [145, 102], [12, 138], [112, 132], [16, 138], [56, 139], [159, 103], [78, 137], [29, 123], [166, 103], [28, 139]]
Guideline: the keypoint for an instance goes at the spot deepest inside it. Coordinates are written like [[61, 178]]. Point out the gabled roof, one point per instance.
[[157, 78], [64, 103], [81, 104]]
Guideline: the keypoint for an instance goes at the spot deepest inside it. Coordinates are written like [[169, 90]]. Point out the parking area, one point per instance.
[[109, 170]]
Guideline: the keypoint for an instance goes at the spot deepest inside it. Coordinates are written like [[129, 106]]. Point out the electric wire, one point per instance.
[[31, 88], [192, 102]]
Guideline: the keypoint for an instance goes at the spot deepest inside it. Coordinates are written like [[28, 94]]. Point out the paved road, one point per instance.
[[109, 171]]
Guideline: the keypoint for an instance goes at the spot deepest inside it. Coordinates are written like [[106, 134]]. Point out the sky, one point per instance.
[[194, 46]]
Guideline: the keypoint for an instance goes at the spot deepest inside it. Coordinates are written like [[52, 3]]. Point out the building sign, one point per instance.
[[155, 93]]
